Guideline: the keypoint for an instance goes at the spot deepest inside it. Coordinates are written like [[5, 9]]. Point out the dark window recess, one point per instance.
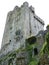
[[18, 32], [33, 11], [38, 63], [31, 40], [10, 62], [18, 35], [35, 51], [30, 32], [10, 28], [9, 40]]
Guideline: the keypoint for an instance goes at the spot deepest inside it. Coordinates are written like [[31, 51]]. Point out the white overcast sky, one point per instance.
[[41, 9]]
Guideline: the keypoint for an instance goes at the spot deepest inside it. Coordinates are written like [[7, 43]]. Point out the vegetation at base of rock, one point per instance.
[[29, 48], [45, 47], [44, 53], [12, 54]]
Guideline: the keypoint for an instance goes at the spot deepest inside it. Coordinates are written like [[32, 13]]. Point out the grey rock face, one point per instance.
[[21, 23]]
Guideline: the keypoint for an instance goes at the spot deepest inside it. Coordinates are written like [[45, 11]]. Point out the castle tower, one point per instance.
[[21, 24]]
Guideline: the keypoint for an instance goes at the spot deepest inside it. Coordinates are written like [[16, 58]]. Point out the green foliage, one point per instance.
[[29, 49], [45, 47], [33, 62], [47, 38]]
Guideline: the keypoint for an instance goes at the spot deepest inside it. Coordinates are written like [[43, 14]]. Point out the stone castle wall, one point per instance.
[[21, 23]]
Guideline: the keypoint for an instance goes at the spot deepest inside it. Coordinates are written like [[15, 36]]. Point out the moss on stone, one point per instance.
[[13, 54], [33, 62]]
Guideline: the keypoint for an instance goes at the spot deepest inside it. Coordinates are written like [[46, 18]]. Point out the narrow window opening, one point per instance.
[[35, 51], [30, 32], [10, 41], [18, 32]]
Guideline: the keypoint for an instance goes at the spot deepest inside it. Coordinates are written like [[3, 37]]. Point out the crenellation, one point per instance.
[[16, 7], [32, 9], [25, 4]]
